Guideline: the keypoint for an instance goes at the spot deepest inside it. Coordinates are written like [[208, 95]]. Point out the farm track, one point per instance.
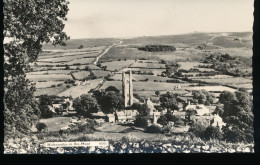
[[103, 53]]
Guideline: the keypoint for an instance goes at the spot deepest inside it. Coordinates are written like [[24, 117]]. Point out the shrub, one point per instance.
[[67, 86], [198, 129], [80, 47], [53, 85], [41, 127], [67, 67], [141, 121], [162, 120], [59, 84], [212, 133], [153, 129], [45, 111]]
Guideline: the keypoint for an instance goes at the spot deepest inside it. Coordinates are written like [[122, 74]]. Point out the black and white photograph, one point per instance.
[[128, 76]]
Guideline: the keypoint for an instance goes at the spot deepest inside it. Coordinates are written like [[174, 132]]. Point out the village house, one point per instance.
[[110, 118]]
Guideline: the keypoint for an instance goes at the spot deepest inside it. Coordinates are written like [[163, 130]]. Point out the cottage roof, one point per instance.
[[179, 113], [110, 115]]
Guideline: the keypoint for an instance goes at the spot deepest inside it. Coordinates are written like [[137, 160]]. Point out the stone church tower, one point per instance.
[[127, 88]]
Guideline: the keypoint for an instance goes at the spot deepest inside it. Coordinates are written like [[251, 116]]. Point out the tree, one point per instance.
[[27, 24], [168, 101], [153, 129], [162, 120], [85, 104], [219, 110], [80, 47], [202, 96], [45, 100], [212, 133], [41, 127], [112, 88], [157, 93], [141, 121], [144, 110], [238, 114], [45, 111], [111, 102]]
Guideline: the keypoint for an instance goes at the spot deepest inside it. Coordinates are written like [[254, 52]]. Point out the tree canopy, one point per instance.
[[169, 101], [27, 25], [85, 104], [238, 114]]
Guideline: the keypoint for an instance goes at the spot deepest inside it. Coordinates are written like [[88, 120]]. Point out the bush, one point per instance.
[[141, 121], [162, 120], [45, 111], [59, 84], [53, 85], [80, 47], [212, 133], [198, 129], [153, 129], [68, 86], [41, 127]]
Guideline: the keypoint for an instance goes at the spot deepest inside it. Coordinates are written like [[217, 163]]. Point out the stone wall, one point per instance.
[[26, 147]]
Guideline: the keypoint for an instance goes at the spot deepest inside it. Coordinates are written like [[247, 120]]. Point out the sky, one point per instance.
[[131, 18]]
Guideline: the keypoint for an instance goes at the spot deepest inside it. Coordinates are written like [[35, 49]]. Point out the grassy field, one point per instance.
[[88, 43], [54, 124], [76, 91], [148, 65], [154, 71], [137, 77], [50, 91], [217, 88], [226, 81], [49, 77], [117, 65], [152, 93], [80, 75], [47, 84], [69, 58], [147, 86], [188, 65], [81, 61], [66, 72]]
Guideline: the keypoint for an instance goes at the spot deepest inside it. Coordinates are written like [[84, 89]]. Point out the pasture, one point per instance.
[[69, 58], [80, 75], [47, 84], [217, 88], [148, 65], [189, 65], [76, 91], [50, 91], [81, 61], [117, 65], [137, 77], [148, 86], [49, 77]]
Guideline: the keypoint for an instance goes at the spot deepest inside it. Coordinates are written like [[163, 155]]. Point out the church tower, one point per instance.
[[127, 88]]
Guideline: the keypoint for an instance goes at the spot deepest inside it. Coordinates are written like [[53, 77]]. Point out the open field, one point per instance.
[[145, 70], [81, 61], [189, 65], [217, 88], [47, 84], [128, 53], [88, 43], [226, 81], [49, 77], [47, 72], [69, 58], [50, 91], [76, 91], [101, 73], [117, 65], [80, 75], [54, 124], [147, 86], [137, 77], [148, 65]]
